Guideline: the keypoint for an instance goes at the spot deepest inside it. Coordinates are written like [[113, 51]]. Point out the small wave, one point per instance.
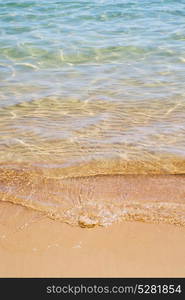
[[96, 200]]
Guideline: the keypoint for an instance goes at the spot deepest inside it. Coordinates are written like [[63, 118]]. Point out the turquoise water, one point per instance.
[[119, 49], [93, 81]]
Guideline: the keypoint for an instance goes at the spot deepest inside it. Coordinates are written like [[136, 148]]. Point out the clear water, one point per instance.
[[90, 87]]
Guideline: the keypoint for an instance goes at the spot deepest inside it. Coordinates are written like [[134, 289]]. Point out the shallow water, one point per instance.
[[92, 87], [96, 200]]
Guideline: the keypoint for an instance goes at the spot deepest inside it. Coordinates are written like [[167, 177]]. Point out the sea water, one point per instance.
[[91, 88]]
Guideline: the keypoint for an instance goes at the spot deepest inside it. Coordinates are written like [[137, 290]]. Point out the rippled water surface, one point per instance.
[[92, 87]]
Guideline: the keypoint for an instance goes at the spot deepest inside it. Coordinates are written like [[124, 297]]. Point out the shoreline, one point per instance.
[[99, 200], [33, 245]]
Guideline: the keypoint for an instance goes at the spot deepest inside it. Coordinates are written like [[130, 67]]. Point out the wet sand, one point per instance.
[[97, 200], [33, 245]]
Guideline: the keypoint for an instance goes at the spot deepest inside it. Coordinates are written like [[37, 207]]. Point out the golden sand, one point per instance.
[[97, 200], [46, 248]]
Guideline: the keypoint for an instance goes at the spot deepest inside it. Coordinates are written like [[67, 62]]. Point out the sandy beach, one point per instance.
[[48, 248], [92, 138], [149, 241]]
